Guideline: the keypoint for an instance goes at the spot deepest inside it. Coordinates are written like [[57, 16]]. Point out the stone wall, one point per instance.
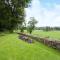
[[46, 41]]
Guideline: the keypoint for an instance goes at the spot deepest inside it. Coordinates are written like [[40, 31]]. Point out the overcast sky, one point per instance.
[[46, 12]]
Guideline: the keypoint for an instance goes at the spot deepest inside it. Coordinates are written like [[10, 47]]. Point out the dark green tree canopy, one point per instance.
[[12, 13]]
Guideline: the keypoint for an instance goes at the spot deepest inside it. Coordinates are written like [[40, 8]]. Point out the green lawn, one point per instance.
[[51, 34], [12, 48]]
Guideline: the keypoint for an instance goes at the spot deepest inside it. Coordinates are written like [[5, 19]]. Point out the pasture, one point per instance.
[[12, 48], [50, 34]]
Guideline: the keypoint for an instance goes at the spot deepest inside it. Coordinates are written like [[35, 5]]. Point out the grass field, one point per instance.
[[51, 34], [12, 48]]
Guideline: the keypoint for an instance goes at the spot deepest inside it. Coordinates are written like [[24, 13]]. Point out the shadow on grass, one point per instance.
[[2, 34]]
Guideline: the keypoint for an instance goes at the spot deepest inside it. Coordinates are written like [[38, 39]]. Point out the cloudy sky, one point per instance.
[[46, 12]]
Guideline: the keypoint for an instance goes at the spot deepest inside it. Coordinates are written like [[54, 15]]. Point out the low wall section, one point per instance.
[[46, 41]]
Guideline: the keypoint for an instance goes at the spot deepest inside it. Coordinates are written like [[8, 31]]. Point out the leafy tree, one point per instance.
[[31, 24], [12, 13], [22, 26]]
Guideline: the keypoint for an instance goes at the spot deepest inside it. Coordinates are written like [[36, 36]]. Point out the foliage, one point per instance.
[[31, 24], [22, 26], [12, 13], [48, 28]]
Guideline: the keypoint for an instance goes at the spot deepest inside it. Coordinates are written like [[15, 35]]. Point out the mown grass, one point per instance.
[[51, 34], [12, 48]]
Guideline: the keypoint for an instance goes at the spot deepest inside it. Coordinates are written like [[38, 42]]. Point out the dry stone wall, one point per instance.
[[46, 41]]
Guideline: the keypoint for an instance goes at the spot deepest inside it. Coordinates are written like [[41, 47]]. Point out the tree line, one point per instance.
[[47, 28]]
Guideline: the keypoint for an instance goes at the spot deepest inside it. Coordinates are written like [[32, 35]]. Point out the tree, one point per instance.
[[22, 27], [12, 13], [31, 24]]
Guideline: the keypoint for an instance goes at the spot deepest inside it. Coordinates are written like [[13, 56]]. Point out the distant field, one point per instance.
[[51, 34], [12, 48]]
